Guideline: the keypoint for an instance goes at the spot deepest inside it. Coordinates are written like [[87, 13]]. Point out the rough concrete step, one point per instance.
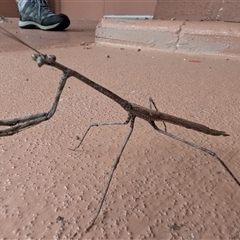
[[175, 36]]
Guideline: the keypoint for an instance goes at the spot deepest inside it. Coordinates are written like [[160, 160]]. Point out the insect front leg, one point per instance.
[[21, 123]]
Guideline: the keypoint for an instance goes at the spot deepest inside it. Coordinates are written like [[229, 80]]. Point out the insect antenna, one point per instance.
[[12, 36]]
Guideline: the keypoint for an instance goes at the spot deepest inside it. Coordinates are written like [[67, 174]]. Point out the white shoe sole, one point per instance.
[[31, 25]]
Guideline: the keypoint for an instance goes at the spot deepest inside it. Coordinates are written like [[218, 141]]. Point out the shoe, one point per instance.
[[36, 14]]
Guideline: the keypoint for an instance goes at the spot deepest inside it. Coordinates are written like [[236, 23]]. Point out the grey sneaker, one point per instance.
[[36, 14]]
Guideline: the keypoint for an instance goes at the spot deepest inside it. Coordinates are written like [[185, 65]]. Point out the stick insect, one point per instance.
[[133, 110]]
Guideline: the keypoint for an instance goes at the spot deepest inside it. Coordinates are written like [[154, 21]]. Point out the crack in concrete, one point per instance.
[[179, 36]]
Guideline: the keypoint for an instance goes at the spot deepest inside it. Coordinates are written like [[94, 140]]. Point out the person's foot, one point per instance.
[[36, 14]]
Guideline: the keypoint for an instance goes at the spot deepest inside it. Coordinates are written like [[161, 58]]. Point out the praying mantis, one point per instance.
[[133, 110]]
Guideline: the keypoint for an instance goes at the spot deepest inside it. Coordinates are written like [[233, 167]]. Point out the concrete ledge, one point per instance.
[[175, 36]]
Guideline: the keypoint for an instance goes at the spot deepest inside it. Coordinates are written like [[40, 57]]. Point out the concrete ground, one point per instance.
[[162, 188]]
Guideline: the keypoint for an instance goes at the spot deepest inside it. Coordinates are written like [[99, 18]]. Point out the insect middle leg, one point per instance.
[[101, 124]]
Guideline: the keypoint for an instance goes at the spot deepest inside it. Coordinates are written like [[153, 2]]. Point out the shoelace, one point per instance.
[[42, 5]]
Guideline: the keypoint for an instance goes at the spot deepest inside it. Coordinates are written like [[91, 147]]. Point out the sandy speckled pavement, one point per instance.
[[162, 189]]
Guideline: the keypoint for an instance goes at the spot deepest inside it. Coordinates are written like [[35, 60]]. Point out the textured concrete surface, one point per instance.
[[79, 32], [162, 189], [174, 36], [195, 10], [144, 33]]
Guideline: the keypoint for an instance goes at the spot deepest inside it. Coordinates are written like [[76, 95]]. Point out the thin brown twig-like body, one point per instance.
[[133, 110]]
